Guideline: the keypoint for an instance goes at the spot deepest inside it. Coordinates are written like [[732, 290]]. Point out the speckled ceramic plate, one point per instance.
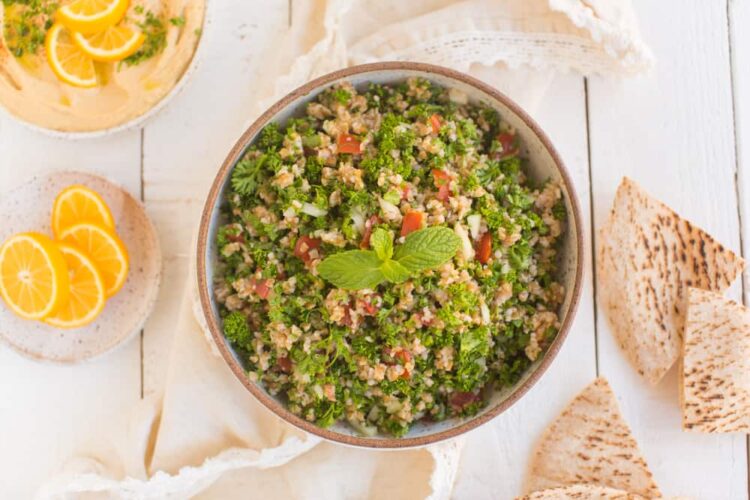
[[28, 208]]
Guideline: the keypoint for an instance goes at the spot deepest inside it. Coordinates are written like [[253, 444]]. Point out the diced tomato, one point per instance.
[[303, 247], [460, 400], [369, 224], [285, 364], [347, 143], [508, 142], [484, 248], [369, 309], [412, 221], [404, 356], [435, 122], [262, 289], [444, 192], [442, 182], [441, 177], [398, 353]]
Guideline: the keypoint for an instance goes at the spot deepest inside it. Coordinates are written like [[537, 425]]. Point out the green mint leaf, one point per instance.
[[394, 272], [352, 270], [427, 248], [382, 242]]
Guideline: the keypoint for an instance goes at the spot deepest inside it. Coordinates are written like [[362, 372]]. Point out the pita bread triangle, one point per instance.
[[648, 257], [581, 492], [715, 377], [590, 443]]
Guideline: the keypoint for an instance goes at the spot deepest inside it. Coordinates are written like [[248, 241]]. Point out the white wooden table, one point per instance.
[[683, 132]]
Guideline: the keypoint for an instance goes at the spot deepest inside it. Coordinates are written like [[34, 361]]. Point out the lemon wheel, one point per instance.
[[104, 248], [69, 63], [91, 16], [87, 291], [76, 204], [34, 279], [113, 44]]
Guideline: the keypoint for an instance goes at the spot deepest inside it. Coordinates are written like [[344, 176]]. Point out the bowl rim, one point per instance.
[[213, 323]]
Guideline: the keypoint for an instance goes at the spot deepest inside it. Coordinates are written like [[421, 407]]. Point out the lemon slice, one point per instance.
[[104, 248], [34, 278], [91, 16], [76, 204], [87, 292], [69, 63], [113, 44]]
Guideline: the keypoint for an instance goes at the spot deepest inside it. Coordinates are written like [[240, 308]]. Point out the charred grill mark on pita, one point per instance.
[[590, 443], [715, 388], [665, 254], [581, 491]]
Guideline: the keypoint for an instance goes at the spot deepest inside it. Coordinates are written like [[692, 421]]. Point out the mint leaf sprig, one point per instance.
[[358, 269]]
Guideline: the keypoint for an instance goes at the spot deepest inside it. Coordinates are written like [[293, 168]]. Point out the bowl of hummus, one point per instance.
[[81, 68]]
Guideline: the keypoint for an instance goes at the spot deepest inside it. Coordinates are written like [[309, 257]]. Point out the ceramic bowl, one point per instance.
[[544, 163]]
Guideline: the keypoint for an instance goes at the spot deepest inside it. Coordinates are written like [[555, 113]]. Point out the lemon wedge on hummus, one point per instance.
[[113, 44], [69, 63], [91, 16]]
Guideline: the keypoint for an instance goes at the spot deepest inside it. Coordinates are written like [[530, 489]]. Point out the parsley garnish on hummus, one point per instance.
[[26, 23], [153, 27], [385, 259]]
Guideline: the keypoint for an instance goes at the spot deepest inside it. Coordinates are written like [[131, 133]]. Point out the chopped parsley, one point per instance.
[[356, 314], [26, 23], [155, 31]]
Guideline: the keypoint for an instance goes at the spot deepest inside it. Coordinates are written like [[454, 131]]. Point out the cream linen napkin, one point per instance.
[[206, 437]]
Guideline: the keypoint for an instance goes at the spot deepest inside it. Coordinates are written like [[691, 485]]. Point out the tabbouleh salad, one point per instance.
[[385, 260]]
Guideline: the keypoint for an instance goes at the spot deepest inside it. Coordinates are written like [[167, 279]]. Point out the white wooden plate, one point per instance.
[[28, 208]]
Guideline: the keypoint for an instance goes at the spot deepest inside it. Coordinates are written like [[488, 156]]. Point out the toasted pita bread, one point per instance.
[[590, 443], [648, 256], [581, 492], [715, 378]]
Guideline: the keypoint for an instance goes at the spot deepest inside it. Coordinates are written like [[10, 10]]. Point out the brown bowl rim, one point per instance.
[[213, 323]]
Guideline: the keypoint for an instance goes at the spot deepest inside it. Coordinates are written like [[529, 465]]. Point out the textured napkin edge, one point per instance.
[[188, 481], [619, 41], [612, 47]]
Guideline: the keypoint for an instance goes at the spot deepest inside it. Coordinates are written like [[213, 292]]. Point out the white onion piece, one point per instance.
[[475, 223], [358, 219], [467, 249], [485, 313], [312, 210], [390, 211]]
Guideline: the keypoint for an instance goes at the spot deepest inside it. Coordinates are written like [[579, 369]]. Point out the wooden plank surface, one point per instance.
[[739, 38], [185, 146], [672, 131], [46, 411]]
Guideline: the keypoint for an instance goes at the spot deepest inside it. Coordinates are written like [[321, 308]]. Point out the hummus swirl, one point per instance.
[[31, 92]]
